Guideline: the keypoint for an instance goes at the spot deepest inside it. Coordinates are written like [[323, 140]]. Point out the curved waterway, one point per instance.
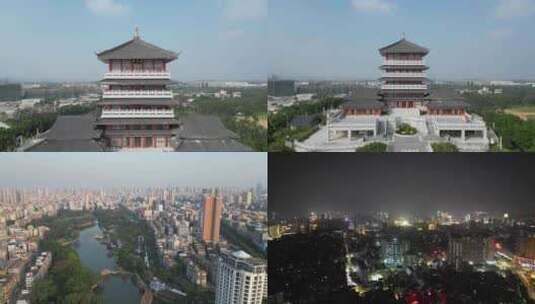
[[94, 255]]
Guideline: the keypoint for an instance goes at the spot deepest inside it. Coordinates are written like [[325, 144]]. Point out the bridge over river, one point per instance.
[[147, 297]]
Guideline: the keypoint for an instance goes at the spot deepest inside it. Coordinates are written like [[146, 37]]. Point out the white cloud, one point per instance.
[[106, 7], [502, 33], [245, 9], [373, 6], [508, 9]]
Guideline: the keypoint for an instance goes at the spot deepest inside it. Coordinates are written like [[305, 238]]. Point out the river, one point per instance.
[[94, 255]]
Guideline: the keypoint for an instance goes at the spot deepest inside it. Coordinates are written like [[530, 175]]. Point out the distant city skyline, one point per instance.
[[96, 170], [481, 39], [401, 183], [57, 41]]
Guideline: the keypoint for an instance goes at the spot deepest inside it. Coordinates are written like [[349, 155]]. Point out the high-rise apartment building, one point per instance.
[[241, 279], [469, 249], [211, 218]]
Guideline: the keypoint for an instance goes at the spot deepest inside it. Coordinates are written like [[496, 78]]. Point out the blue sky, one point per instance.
[[138, 169], [57, 40], [486, 39], [249, 39]]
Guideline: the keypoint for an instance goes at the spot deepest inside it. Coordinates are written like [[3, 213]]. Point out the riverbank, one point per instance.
[[76, 273], [114, 284], [123, 228], [68, 279]]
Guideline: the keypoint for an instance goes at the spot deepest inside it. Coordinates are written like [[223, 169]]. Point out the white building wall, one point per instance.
[[231, 287]]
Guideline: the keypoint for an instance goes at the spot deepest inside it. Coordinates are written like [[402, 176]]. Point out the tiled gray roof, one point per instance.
[[137, 49], [403, 46], [67, 146], [205, 133], [78, 127], [196, 126], [71, 134]]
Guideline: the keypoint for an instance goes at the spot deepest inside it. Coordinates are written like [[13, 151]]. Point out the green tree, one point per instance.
[[406, 129], [373, 147], [279, 129], [444, 147]]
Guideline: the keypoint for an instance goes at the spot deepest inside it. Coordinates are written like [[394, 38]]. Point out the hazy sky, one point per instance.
[[486, 39], [119, 169], [57, 40], [400, 182], [249, 39]]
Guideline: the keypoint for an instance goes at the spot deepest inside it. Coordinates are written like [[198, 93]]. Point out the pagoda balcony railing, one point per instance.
[[403, 75], [138, 75], [403, 62], [150, 149], [146, 113], [404, 87], [137, 94]]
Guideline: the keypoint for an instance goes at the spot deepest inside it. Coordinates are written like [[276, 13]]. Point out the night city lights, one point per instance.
[[401, 229]]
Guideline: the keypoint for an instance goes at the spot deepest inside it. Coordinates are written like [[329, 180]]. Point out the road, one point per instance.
[[522, 274]]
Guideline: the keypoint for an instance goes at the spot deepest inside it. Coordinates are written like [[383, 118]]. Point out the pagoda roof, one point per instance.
[[447, 104], [85, 145], [363, 104], [403, 46], [136, 48], [204, 133], [136, 121], [204, 127], [71, 134], [76, 127]]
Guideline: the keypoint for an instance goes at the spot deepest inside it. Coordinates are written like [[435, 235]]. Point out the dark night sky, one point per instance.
[[400, 182]]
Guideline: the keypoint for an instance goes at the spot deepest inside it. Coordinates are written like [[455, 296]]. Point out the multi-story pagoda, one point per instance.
[[404, 83], [136, 111], [403, 100]]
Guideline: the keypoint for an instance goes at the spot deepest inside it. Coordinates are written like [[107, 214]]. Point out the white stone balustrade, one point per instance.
[[403, 62], [137, 94], [137, 75], [403, 75], [141, 113], [404, 87]]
